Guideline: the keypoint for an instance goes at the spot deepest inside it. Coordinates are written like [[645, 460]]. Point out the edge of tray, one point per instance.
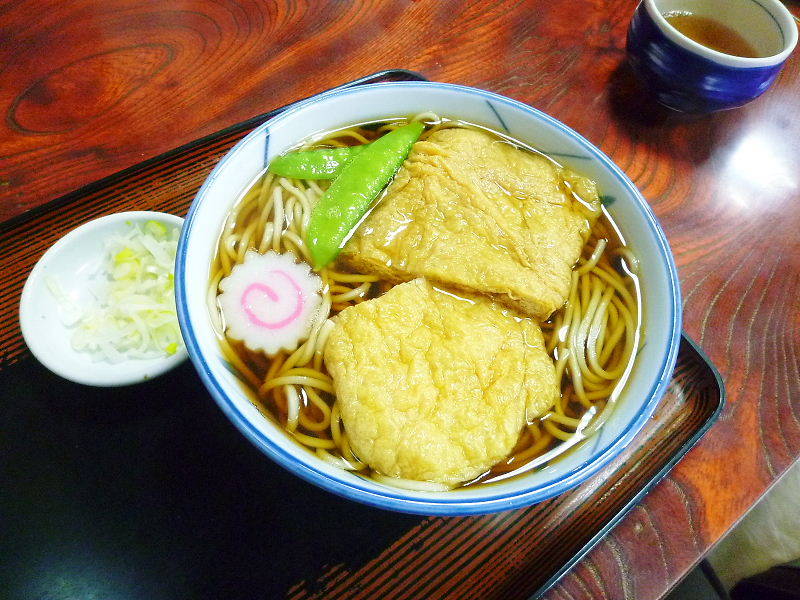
[[660, 474]]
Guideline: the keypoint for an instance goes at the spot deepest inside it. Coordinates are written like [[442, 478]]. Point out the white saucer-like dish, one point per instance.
[[658, 276], [72, 261]]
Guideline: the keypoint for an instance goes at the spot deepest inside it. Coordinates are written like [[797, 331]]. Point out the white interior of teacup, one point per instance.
[[766, 24]]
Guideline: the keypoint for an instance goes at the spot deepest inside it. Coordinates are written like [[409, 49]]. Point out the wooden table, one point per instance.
[[89, 88]]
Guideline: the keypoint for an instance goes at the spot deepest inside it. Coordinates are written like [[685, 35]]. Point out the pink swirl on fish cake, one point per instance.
[[263, 288]]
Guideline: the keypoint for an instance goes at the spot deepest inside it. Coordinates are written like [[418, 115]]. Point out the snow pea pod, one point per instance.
[[350, 195], [322, 163]]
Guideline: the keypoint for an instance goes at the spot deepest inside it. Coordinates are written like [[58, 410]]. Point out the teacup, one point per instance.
[[690, 77]]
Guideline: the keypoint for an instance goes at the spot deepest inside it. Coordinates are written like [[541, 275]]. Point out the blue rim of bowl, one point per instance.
[[436, 506]]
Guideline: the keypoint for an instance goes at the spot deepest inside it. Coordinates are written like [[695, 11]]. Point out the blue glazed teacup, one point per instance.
[[689, 77]]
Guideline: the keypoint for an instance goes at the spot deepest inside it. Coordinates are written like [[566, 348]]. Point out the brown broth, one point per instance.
[[711, 34], [273, 403]]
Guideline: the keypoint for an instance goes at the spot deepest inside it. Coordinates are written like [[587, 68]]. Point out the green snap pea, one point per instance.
[[322, 163], [350, 195]]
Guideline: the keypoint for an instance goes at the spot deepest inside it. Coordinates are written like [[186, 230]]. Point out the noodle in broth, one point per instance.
[[592, 339]]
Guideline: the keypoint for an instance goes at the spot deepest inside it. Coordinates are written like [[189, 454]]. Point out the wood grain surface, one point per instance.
[[89, 88]]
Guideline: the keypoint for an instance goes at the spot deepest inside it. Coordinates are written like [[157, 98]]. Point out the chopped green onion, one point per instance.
[[134, 316]]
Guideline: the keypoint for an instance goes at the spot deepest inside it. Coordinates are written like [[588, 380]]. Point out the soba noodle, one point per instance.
[[592, 339]]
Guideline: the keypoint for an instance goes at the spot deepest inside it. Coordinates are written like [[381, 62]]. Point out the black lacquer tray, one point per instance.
[[149, 492]]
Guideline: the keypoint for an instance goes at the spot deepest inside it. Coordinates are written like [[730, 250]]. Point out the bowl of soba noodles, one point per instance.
[[428, 298]]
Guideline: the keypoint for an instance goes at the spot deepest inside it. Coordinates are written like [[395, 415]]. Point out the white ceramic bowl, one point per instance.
[[659, 281], [72, 261]]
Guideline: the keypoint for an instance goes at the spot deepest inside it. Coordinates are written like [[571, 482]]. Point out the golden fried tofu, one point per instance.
[[435, 387], [477, 214]]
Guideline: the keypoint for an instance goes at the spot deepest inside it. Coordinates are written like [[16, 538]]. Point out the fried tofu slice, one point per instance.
[[476, 214], [435, 387]]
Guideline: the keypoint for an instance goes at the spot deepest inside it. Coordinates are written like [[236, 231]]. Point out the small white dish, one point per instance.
[[72, 261]]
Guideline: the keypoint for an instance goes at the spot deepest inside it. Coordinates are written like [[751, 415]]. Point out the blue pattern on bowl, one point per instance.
[[686, 81], [550, 153], [500, 120], [266, 147]]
